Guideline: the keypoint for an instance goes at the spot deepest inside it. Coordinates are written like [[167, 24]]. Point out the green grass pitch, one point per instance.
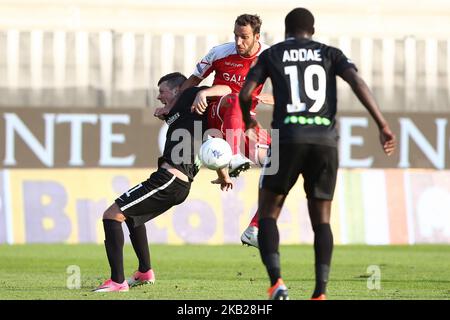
[[227, 272]]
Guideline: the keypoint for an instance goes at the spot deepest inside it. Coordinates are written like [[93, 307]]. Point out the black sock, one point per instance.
[[268, 240], [323, 249], [138, 237], [114, 241]]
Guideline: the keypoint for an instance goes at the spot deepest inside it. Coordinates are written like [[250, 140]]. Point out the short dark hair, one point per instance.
[[174, 79], [249, 19], [299, 19]]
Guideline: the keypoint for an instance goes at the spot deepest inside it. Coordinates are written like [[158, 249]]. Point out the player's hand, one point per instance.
[[387, 139], [161, 113], [251, 124], [223, 179], [200, 103], [225, 183], [266, 98]]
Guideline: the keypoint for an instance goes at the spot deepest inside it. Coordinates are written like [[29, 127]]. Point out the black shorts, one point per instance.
[[317, 163], [152, 197]]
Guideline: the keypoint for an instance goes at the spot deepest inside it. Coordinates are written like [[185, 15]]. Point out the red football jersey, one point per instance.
[[230, 68]]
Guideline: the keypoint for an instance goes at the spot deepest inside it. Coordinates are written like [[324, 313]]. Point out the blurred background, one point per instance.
[[78, 85], [111, 53]]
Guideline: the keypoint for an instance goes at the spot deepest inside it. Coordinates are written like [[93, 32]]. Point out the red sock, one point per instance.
[[255, 221], [232, 120]]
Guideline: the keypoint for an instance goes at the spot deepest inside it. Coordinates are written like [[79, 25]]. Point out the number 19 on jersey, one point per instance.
[[317, 94]]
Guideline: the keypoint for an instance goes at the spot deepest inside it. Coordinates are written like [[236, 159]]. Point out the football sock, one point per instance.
[[268, 240], [138, 237], [323, 248], [232, 119], [114, 241], [255, 220]]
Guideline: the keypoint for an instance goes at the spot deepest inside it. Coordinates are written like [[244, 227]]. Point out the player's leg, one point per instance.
[[141, 203], [144, 202], [230, 112], [138, 237], [272, 194], [320, 180], [229, 118], [114, 242], [270, 205], [250, 235], [257, 145], [257, 142], [319, 211]]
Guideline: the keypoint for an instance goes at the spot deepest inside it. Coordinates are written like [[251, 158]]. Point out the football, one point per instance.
[[215, 153]]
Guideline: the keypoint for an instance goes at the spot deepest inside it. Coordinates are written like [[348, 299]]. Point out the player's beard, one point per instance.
[[249, 52]]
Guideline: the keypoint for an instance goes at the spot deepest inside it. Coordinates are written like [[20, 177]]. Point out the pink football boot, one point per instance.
[[111, 286], [140, 278]]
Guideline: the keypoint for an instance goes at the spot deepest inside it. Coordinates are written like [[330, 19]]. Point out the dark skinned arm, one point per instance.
[[245, 100], [362, 91]]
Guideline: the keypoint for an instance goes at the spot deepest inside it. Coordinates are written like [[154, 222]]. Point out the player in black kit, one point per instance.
[[167, 187], [303, 74]]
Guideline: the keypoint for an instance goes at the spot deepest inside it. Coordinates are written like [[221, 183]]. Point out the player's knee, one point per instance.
[[117, 217], [268, 211], [230, 101], [113, 213], [319, 211], [266, 214]]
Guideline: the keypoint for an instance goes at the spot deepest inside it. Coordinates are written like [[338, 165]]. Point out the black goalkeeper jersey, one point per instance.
[[303, 74], [185, 134]]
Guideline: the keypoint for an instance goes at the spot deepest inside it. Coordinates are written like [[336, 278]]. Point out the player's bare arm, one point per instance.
[[223, 179], [362, 91], [245, 100], [160, 113], [192, 81], [201, 100]]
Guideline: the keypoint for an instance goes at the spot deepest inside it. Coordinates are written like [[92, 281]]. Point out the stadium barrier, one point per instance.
[[113, 68]]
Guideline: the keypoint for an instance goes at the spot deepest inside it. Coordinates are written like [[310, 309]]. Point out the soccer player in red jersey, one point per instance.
[[231, 63]]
